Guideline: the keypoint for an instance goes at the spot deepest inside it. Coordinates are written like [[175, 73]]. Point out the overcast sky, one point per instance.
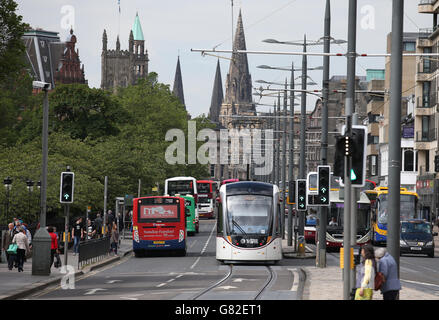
[[173, 27]]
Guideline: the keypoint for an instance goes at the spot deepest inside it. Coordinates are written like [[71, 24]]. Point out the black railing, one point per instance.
[[426, 136], [93, 250]]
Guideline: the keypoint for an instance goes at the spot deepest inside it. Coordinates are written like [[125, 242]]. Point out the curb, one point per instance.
[[38, 286]]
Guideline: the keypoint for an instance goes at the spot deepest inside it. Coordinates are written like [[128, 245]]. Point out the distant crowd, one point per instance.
[[17, 240]]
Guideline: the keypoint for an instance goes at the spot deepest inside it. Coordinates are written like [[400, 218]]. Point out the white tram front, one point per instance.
[[249, 223]]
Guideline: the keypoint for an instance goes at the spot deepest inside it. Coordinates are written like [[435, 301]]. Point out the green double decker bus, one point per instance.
[[192, 221]]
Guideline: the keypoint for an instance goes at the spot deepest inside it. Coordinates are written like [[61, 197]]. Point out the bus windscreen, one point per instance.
[[181, 187], [203, 188]]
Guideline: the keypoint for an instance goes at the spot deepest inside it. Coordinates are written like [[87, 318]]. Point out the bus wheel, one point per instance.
[[182, 253]]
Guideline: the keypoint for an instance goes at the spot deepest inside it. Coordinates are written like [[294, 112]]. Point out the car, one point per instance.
[[417, 237]]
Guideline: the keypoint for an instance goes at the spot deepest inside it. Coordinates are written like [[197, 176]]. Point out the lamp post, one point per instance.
[[30, 188], [8, 185], [41, 242]]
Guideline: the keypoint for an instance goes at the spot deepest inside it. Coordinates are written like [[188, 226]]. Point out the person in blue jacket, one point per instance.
[[387, 265]]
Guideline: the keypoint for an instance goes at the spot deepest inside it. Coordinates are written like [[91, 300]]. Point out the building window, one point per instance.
[[373, 165], [426, 86], [425, 127], [427, 61], [409, 163], [410, 46]]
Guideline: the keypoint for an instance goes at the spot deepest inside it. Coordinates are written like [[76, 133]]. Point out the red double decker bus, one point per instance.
[[159, 223], [207, 190]]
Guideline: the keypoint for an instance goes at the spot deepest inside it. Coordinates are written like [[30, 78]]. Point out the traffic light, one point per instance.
[[67, 187], [354, 146], [291, 192], [359, 144], [324, 176], [436, 163], [301, 194], [339, 156]]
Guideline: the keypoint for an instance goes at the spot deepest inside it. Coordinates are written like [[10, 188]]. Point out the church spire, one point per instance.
[[178, 83], [217, 96], [238, 83]]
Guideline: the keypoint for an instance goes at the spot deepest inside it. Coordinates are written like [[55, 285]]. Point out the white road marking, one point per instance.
[[204, 248], [113, 281], [296, 280], [93, 291], [161, 285], [227, 287], [421, 283]]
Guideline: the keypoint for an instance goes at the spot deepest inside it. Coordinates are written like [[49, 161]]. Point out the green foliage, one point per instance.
[[97, 134]]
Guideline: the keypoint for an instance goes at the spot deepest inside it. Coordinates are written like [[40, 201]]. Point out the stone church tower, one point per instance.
[[238, 98], [121, 68]]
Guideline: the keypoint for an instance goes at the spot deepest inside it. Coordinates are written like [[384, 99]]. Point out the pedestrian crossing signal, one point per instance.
[[67, 187]]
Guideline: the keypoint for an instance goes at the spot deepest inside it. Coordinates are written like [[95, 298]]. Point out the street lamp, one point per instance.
[[42, 240], [8, 185], [30, 188]]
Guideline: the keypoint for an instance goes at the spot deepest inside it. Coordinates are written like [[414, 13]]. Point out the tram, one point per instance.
[[249, 223]]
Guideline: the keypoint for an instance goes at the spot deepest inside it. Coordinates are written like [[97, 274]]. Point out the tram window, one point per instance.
[[219, 216]]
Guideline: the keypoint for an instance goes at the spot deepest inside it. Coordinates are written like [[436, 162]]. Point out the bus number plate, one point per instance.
[[158, 242]]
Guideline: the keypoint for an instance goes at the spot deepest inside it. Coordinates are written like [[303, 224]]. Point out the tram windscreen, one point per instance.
[[407, 207], [249, 214], [336, 212]]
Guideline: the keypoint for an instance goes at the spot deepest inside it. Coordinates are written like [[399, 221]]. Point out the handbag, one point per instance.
[[12, 249], [367, 294], [379, 280]]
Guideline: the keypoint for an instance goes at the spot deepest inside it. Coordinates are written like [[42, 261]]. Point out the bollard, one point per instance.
[[301, 246]]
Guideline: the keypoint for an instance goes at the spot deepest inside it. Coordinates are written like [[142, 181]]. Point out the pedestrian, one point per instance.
[[110, 219], [98, 225], [23, 247], [78, 235], [6, 241], [387, 265], [91, 230], [114, 239], [366, 274], [53, 245]]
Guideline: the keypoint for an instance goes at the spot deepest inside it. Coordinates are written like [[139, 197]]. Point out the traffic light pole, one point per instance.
[[291, 157], [393, 236], [66, 232], [350, 107]]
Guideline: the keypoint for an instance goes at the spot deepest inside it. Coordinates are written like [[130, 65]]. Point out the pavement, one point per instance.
[[320, 283], [327, 283], [17, 285]]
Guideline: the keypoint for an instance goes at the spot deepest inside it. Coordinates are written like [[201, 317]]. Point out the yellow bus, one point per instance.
[[408, 210]]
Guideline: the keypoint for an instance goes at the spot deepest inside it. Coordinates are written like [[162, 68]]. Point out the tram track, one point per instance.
[[271, 279]]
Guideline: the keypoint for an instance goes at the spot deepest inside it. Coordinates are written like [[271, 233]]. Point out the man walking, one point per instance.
[[6, 241], [387, 265], [78, 234]]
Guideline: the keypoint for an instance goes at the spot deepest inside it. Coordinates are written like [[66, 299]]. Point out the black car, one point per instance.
[[417, 237]]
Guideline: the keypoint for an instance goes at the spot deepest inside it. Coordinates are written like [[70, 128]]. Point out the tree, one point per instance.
[[11, 46]]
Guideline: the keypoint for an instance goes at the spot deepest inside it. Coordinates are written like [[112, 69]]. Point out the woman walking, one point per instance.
[[366, 274], [114, 240], [23, 247]]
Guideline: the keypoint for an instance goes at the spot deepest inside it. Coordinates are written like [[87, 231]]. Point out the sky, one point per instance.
[[172, 27]]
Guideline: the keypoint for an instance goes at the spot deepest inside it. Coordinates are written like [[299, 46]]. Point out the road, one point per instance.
[[185, 278]]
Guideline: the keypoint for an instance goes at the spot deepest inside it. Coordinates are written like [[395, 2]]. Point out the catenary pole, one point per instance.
[[302, 163], [291, 157], [395, 131], [321, 249], [284, 159]]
